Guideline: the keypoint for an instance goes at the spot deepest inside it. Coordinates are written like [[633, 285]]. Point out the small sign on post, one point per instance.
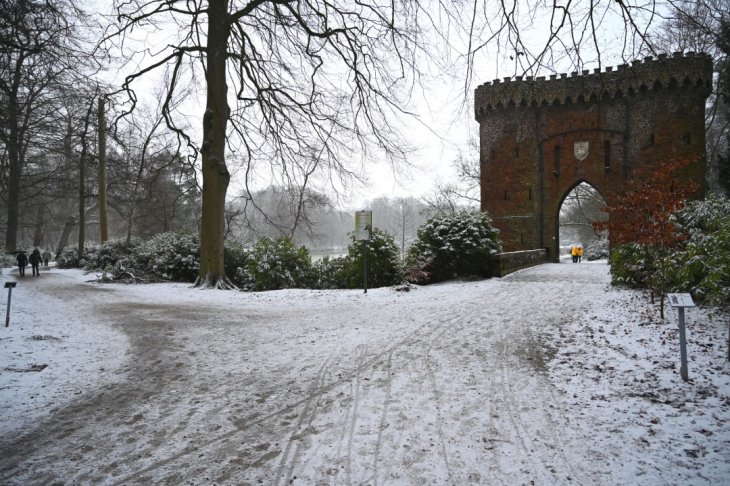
[[680, 301], [363, 225], [363, 232], [10, 286]]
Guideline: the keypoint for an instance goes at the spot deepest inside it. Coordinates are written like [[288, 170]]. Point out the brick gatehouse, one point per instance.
[[539, 138]]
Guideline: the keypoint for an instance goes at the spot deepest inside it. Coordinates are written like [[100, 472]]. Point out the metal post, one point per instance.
[[365, 267], [682, 346], [7, 314]]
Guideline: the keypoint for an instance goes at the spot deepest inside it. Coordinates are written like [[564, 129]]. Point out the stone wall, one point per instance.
[[502, 264]]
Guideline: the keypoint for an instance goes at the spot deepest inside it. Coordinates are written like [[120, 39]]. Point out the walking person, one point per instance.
[[35, 262], [46, 257], [22, 262], [580, 253], [574, 253]]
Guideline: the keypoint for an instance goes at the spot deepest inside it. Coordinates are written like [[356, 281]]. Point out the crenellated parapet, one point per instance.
[[679, 71]]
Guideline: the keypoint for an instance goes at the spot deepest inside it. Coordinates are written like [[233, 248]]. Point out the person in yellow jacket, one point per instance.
[[574, 253], [580, 253]]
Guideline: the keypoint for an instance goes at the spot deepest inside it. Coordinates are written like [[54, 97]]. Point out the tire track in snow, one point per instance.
[[256, 419], [307, 415], [383, 417], [352, 423], [527, 433], [437, 393]]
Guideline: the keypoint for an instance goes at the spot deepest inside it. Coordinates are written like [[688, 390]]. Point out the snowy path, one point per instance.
[[447, 384]]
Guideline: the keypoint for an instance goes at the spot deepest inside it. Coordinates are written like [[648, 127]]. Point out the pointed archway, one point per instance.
[[580, 207]]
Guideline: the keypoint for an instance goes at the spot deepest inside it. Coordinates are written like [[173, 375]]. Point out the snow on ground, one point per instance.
[[53, 330], [547, 376]]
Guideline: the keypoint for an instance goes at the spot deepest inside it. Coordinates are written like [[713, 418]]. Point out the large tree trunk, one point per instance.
[[14, 171], [63, 239], [82, 180], [40, 224], [103, 229], [82, 198], [215, 172]]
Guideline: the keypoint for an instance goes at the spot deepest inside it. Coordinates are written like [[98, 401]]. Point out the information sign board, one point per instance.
[[680, 300], [363, 225]]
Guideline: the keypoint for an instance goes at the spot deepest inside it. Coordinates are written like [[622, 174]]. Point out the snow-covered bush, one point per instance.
[[702, 267], [68, 258], [703, 217], [106, 255], [168, 256], [597, 249], [7, 260], [384, 266], [454, 245], [278, 264], [236, 258], [329, 273], [631, 265]]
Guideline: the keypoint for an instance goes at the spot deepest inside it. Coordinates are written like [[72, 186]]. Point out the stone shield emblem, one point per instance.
[[580, 150]]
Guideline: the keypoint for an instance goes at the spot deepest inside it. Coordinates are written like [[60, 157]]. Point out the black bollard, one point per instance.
[[9, 286]]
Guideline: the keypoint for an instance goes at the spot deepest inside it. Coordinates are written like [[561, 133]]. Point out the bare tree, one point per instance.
[[306, 76], [581, 208], [101, 134], [84, 141], [399, 217], [40, 54], [696, 25], [532, 35], [293, 212]]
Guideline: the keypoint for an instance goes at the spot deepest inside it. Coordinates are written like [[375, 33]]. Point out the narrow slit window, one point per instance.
[[607, 156], [506, 195], [529, 193], [556, 160], [652, 141]]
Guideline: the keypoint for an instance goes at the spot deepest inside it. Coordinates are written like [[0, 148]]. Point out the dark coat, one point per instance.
[[22, 259], [35, 258]]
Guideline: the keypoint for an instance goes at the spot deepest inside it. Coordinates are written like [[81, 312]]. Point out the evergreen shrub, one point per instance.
[[631, 265], [597, 248], [278, 264], [168, 256], [236, 258], [384, 265], [68, 258], [453, 245], [7, 260], [702, 267], [105, 256], [329, 273]]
